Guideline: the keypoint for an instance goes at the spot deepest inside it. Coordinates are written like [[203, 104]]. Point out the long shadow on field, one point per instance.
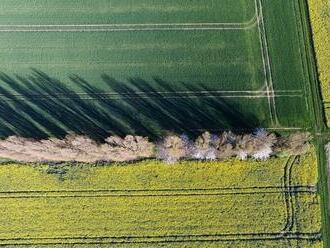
[[40, 106]]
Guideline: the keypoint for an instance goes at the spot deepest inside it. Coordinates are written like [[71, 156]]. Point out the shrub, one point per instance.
[[76, 148], [295, 144]]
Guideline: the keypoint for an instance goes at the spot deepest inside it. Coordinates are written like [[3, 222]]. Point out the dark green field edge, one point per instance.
[[317, 114]]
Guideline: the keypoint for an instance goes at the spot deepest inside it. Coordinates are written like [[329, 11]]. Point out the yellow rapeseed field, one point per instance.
[[320, 17], [152, 204], [225, 244]]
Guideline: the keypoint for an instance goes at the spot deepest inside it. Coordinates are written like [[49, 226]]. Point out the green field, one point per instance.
[[211, 204], [145, 67]]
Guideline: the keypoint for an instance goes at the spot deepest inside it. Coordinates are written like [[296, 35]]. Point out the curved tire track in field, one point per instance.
[[288, 194]]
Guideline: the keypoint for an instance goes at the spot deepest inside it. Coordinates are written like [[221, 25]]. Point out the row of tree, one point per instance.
[[259, 145]]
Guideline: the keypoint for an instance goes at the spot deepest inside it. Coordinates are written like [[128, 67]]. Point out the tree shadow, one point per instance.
[[40, 106]]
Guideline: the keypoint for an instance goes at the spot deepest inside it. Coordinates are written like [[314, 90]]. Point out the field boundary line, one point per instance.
[[160, 92], [162, 238], [299, 189], [146, 97], [312, 186], [250, 21], [192, 28], [105, 195]]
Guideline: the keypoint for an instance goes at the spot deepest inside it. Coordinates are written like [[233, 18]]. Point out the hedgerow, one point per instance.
[[259, 145]]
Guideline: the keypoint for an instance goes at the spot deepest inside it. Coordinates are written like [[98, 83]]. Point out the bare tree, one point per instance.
[[225, 145], [258, 145], [172, 148], [205, 147], [264, 143]]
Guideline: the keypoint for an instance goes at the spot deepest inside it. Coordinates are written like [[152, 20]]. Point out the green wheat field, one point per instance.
[[83, 65]]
